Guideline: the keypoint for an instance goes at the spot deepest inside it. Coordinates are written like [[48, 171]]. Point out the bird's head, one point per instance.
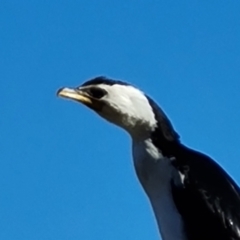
[[119, 103]]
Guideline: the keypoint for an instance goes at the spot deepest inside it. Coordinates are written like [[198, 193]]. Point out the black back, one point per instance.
[[208, 200]]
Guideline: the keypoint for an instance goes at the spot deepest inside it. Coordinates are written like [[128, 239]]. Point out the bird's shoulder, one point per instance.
[[208, 200]]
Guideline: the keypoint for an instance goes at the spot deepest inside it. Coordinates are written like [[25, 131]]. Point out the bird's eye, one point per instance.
[[96, 92]]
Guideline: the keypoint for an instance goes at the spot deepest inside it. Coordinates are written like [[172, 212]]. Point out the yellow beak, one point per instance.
[[80, 96], [75, 95]]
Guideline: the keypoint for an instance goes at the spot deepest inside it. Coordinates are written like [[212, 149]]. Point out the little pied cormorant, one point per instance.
[[192, 197]]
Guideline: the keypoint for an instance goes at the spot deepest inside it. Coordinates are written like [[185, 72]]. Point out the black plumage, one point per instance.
[[209, 199], [103, 80]]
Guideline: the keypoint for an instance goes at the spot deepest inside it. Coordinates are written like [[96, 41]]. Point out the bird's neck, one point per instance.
[[155, 173], [145, 137], [145, 148]]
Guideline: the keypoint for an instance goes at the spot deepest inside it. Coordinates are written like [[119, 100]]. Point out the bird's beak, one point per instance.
[[79, 96], [74, 95]]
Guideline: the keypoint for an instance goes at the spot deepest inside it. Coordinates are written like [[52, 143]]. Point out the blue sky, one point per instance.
[[64, 172]]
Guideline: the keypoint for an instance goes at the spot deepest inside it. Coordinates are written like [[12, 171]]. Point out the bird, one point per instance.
[[191, 195]]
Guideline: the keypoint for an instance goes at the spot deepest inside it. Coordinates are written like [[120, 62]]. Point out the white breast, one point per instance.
[[155, 174]]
